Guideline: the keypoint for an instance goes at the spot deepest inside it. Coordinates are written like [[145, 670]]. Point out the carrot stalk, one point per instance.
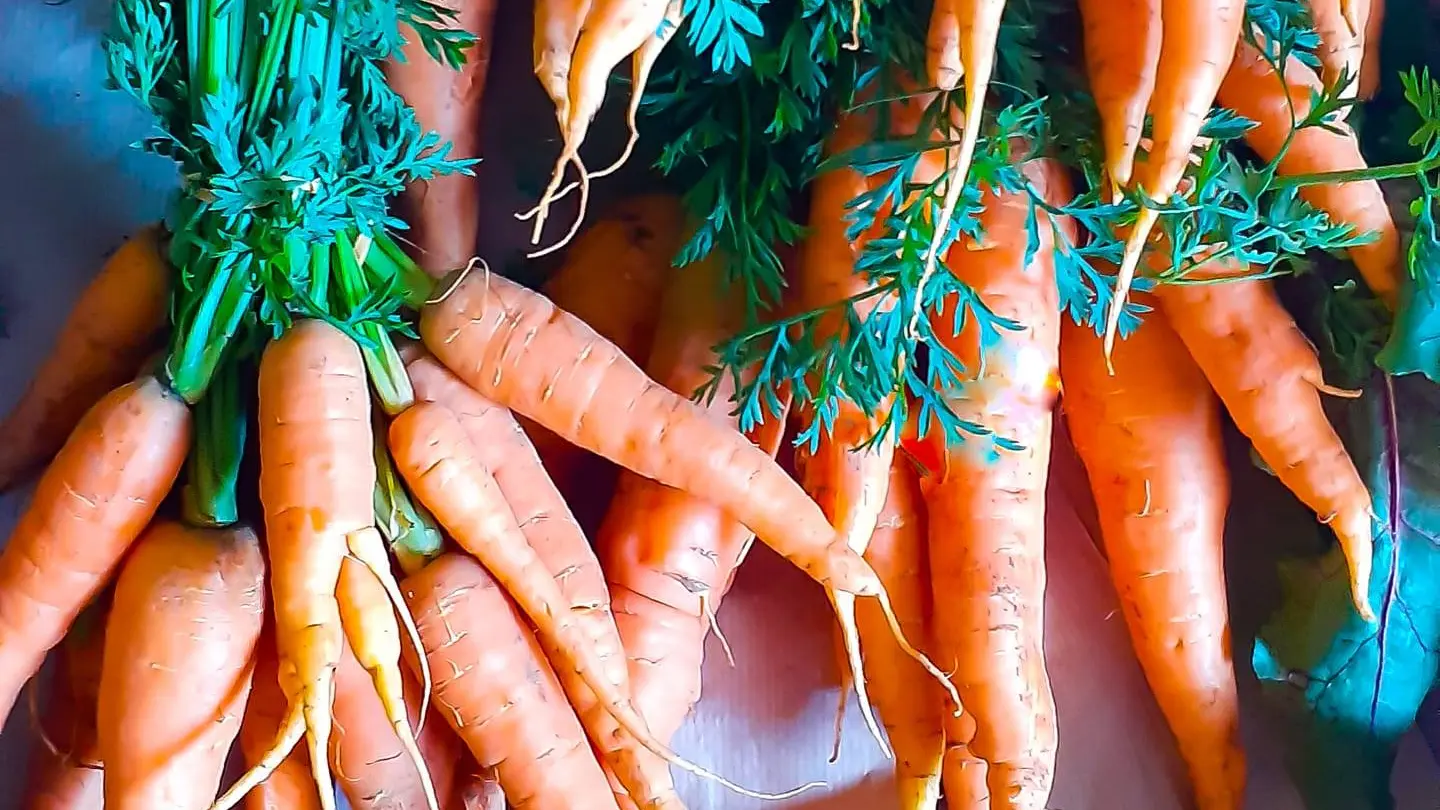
[[209, 494]]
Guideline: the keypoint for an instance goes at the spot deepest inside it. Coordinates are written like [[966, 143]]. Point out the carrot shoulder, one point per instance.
[[90, 506], [1149, 437], [114, 325]]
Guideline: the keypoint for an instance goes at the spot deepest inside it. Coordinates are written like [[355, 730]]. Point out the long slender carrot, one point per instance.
[[289, 786], [444, 212], [1122, 53], [1269, 378], [1198, 39], [910, 703], [1254, 90], [179, 656], [116, 322], [65, 772], [495, 688], [987, 512], [557, 28], [94, 500], [1150, 440]]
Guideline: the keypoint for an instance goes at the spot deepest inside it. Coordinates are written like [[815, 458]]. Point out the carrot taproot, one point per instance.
[[92, 503], [1150, 440], [444, 212], [1370, 55], [909, 701], [986, 510], [1268, 375], [1122, 53], [943, 67], [65, 774], [1197, 45], [1341, 45], [289, 786], [556, 31], [114, 325], [188, 610], [517, 348], [1254, 90], [496, 690]]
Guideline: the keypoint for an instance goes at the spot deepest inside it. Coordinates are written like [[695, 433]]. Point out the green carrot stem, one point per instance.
[[382, 359], [209, 496]]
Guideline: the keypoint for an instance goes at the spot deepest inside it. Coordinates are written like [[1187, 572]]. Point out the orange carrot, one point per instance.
[[444, 212], [179, 655], [478, 791], [289, 786], [1122, 52], [495, 688], [942, 46], [910, 702], [1150, 440], [1253, 90], [1269, 378], [557, 29], [93, 502], [116, 322], [1341, 46], [1198, 39], [987, 512], [65, 772], [1371, 44]]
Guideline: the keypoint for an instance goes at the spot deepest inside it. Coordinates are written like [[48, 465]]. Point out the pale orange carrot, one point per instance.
[[289, 786]]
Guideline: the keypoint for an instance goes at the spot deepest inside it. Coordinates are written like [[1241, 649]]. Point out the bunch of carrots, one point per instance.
[[407, 605]]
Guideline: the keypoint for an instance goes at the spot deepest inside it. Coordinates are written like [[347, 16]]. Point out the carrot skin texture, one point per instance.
[[495, 688], [289, 786], [1150, 439], [444, 212], [188, 610], [477, 789], [1370, 59], [1268, 376], [90, 506], [116, 322], [1122, 52], [69, 777], [1253, 90], [371, 767], [517, 348]]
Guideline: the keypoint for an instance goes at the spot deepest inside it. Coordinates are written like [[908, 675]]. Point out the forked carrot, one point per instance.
[[289, 786]]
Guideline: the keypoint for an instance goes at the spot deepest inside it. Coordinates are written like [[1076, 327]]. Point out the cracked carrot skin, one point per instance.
[[187, 613], [1149, 436], [289, 786], [495, 688], [92, 503]]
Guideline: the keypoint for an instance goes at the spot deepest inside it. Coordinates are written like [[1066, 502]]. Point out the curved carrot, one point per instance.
[[987, 511], [289, 786], [557, 28], [179, 656], [1198, 40], [496, 690], [1253, 90], [114, 325], [514, 346], [1122, 52], [910, 703], [1149, 436], [93, 502], [65, 773], [1269, 378]]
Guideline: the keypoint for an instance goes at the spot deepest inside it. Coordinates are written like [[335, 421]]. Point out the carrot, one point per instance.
[[514, 346], [444, 212], [1253, 90], [908, 699], [1370, 58], [115, 324], [289, 786], [94, 500], [494, 687], [179, 655], [557, 29], [1150, 440], [1198, 40], [1341, 45], [942, 46], [1122, 53], [987, 511], [479, 790], [65, 773], [1269, 378], [317, 480], [561, 546]]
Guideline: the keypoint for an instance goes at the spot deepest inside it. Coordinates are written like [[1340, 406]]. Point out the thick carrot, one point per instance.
[[93, 502], [910, 702], [1253, 90], [1269, 378], [1149, 436], [987, 512], [514, 346], [1198, 39], [289, 786], [116, 322], [179, 655], [444, 212], [495, 688], [65, 772], [1122, 52]]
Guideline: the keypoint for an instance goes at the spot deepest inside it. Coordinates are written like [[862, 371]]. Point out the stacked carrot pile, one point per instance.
[[330, 499]]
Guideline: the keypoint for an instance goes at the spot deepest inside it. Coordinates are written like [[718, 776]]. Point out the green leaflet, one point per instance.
[[1353, 689], [1414, 344]]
